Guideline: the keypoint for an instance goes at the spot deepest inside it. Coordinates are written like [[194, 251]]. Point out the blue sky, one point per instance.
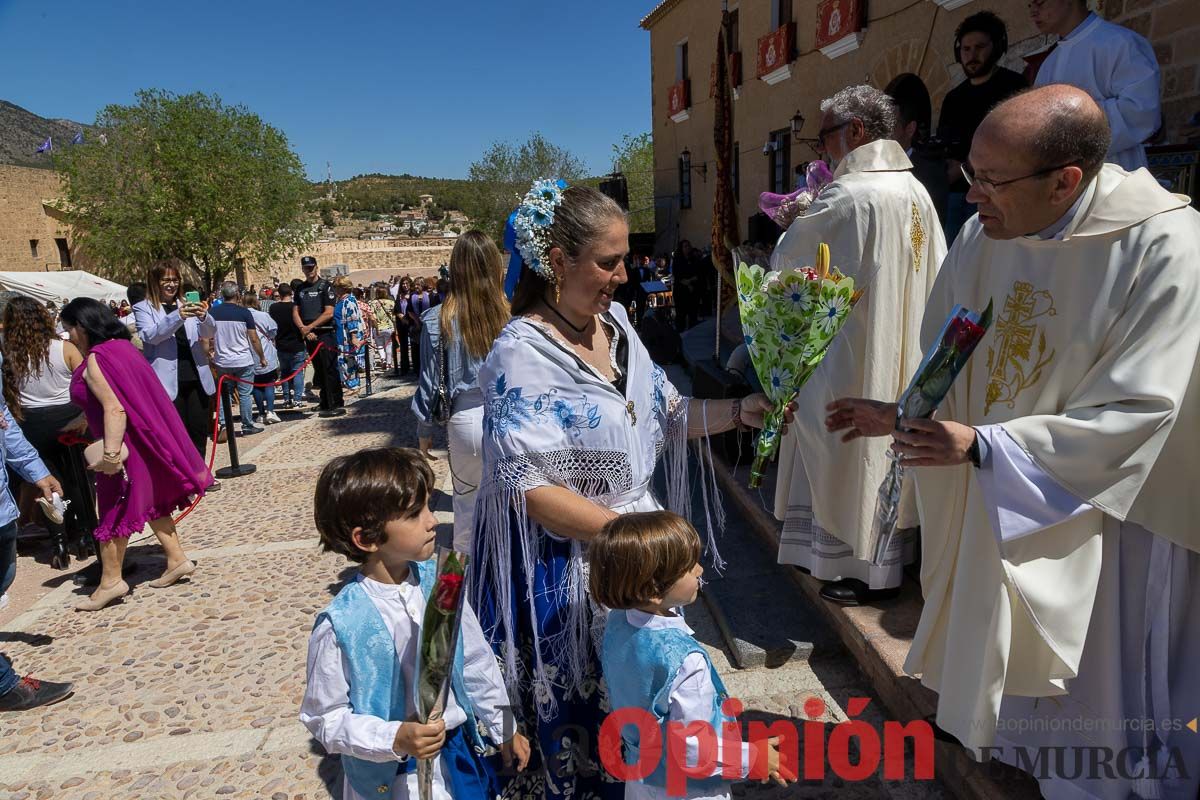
[[368, 85]]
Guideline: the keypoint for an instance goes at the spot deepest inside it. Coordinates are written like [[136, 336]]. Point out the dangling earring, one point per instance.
[[557, 284]]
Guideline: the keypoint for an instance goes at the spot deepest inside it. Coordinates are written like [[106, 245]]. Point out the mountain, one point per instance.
[[22, 132]]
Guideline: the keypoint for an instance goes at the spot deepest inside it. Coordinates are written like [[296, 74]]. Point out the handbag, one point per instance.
[[93, 454], [439, 411]]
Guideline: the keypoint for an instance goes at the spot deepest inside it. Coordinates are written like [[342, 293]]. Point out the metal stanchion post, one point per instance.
[[235, 468], [367, 361]]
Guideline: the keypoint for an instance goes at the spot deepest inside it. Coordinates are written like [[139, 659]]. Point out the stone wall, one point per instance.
[[399, 255], [24, 219]]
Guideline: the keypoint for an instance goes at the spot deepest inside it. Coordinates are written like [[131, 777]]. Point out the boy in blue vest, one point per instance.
[[372, 507], [646, 567]]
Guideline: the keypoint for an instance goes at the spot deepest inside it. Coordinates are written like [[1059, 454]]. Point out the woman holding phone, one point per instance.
[[169, 327]]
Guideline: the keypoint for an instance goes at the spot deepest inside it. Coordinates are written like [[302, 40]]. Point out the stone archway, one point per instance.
[[906, 57]]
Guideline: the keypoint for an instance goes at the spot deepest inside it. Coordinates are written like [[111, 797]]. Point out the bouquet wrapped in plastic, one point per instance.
[[962, 332], [789, 319], [439, 641], [784, 208]]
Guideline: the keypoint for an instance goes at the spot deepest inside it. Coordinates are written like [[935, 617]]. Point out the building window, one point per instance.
[[681, 62], [779, 165], [685, 180], [735, 171], [33, 243], [781, 13], [64, 254], [733, 32]]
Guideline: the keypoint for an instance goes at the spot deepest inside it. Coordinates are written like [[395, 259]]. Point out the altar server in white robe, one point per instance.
[[1114, 65], [882, 229], [1061, 555]]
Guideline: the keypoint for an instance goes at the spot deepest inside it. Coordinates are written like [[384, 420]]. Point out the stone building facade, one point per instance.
[[897, 37], [33, 238]]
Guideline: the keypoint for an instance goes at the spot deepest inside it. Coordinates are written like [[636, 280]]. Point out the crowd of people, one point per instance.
[[1050, 496]]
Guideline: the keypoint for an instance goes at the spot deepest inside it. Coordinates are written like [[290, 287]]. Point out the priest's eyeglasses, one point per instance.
[[821, 134], [990, 186]]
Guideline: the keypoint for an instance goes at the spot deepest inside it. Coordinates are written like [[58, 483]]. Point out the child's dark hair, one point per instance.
[[638, 556], [367, 490]]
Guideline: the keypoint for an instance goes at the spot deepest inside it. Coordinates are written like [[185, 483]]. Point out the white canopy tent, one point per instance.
[[58, 287]]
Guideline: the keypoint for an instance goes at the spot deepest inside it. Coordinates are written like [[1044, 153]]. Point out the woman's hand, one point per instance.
[[106, 467], [755, 408]]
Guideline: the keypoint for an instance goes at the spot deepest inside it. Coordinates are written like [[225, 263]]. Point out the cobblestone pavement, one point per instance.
[[193, 691]]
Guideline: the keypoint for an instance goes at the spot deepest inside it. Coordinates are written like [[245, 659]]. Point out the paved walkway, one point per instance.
[[193, 691]]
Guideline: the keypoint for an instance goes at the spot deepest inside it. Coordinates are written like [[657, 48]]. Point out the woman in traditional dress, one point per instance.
[[159, 471], [348, 329], [575, 417]]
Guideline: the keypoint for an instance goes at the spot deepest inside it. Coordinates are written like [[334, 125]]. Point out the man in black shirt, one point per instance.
[[290, 345], [313, 317], [979, 44]]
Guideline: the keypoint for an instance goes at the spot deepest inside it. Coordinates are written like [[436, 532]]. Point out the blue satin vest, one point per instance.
[[639, 665], [376, 681]]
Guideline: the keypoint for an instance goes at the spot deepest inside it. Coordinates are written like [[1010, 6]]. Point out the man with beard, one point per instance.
[[979, 44]]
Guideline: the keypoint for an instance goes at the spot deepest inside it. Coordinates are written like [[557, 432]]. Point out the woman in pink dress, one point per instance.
[[125, 404]]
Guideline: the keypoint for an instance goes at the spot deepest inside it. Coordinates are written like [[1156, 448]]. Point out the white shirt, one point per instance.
[[691, 700], [50, 387], [1117, 67], [267, 329], [326, 711]]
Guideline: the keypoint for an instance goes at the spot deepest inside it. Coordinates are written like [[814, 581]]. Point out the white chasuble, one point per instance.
[[1087, 368], [882, 230]]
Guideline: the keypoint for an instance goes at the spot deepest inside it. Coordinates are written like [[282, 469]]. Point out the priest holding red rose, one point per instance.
[[1061, 557]]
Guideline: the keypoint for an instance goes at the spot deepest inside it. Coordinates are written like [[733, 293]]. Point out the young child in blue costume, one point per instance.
[[646, 567], [360, 702]]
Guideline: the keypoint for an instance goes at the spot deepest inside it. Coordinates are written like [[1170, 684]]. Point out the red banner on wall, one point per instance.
[[678, 98], [775, 49], [837, 19]]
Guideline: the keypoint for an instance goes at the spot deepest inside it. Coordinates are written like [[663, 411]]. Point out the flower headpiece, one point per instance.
[[527, 235]]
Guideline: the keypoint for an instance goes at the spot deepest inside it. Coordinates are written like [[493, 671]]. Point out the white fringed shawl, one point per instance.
[[552, 420]]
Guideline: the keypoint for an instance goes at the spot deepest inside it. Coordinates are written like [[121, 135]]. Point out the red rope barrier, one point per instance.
[[212, 456]]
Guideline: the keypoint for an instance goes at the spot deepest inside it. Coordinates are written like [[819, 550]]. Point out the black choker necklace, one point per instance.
[[570, 324]]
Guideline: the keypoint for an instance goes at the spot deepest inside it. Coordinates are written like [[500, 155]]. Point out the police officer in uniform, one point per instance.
[[313, 315]]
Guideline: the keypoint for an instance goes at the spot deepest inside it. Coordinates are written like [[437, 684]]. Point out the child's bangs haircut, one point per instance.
[[638, 556], [369, 489]]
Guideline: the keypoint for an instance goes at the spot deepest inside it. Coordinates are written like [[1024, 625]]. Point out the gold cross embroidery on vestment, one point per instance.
[[1009, 364]]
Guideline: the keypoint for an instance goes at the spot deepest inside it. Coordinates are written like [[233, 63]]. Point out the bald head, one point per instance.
[[1056, 125]]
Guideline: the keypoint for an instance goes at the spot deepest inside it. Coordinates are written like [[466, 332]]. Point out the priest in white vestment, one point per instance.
[[882, 229], [1113, 64], [1061, 553]]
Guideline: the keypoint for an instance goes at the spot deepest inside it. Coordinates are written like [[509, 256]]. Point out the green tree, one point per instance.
[[505, 172], [326, 211], [186, 177], [634, 158]]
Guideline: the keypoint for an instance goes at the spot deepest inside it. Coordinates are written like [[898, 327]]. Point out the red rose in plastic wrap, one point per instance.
[[449, 586]]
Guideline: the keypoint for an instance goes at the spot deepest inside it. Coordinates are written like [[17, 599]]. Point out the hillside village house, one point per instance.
[[787, 55]]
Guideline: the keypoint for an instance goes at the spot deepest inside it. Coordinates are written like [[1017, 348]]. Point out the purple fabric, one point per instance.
[[163, 468]]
